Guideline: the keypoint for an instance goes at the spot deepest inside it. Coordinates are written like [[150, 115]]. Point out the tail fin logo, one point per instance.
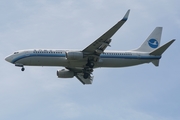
[[153, 43]]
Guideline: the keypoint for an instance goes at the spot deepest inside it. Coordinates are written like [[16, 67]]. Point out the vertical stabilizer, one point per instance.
[[152, 42]]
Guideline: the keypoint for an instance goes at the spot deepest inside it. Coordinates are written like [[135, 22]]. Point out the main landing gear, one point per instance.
[[90, 64], [87, 72], [88, 69], [86, 75]]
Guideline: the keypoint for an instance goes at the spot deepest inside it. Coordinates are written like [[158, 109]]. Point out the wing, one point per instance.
[[98, 46], [93, 51]]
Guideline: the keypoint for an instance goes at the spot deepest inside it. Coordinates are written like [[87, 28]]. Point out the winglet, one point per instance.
[[126, 15]]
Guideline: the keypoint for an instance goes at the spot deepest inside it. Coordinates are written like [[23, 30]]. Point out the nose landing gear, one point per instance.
[[22, 69], [20, 65]]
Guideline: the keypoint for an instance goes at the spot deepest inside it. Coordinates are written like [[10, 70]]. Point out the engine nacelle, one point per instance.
[[74, 55], [64, 73]]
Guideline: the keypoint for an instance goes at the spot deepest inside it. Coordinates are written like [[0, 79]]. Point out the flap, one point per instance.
[[83, 80]]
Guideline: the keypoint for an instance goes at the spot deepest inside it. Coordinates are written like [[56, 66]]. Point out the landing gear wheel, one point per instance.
[[22, 69], [86, 75], [90, 64]]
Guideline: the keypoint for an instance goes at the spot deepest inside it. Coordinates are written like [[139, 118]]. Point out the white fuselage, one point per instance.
[[80, 63], [58, 58]]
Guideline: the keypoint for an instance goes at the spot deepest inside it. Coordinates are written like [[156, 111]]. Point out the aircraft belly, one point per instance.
[[48, 61], [121, 62], [77, 63]]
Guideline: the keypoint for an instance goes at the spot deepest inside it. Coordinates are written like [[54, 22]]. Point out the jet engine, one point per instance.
[[74, 55], [64, 73]]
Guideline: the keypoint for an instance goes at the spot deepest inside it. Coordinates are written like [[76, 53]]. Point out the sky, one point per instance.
[[132, 93]]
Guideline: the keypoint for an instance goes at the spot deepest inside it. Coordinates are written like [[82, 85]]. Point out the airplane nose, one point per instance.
[[8, 59]]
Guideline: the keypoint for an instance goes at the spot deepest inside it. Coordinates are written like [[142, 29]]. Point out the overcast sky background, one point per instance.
[[140, 92]]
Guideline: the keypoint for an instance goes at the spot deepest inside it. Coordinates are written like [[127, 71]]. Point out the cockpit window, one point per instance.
[[16, 52]]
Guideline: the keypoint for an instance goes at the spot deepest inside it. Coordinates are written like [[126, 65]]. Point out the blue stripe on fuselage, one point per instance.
[[37, 55], [101, 56], [130, 57]]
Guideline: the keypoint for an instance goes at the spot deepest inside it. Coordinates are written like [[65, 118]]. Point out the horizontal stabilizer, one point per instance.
[[160, 50]]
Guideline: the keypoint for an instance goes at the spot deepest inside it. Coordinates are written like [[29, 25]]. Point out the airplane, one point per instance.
[[81, 63]]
